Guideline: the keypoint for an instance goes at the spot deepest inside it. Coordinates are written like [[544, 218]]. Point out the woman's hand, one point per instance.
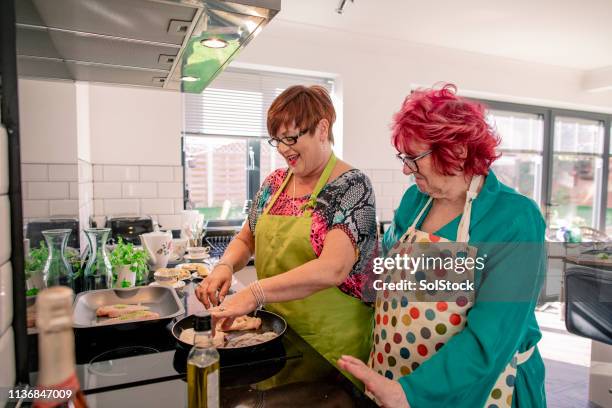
[[237, 305], [388, 393], [220, 281]]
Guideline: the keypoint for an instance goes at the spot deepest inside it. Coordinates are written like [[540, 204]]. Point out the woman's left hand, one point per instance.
[[388, 393], [237, 305]]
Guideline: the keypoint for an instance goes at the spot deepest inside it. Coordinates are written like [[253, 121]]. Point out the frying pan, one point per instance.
[[269, 322]]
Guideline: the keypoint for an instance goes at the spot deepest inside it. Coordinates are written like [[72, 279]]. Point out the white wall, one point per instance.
[[48, 125], [131, 125], [376, 74]]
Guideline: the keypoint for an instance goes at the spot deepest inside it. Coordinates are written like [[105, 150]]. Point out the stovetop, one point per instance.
[[128, 368]]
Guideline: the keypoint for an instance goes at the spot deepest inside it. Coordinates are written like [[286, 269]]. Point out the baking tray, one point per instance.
[[160, 299]]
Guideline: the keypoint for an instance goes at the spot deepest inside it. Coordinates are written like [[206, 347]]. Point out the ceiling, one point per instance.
[[568, 33]]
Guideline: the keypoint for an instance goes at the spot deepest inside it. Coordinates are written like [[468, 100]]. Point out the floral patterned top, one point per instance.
[[346, 202]]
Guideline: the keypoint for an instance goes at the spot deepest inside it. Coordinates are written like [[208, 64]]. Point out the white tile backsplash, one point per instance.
[[178, 205], [384, 202], [382, 176], [386, 214], [120, 173], [170, 190], [156, 173], [5, 230], [122, 207], [107, 190], [4, 164], [400, 177], [98, 172], [7, 360], [36, 208], [178, 174], [74, 190], [157, 206], [139, 190], [34, 172], [48, 190], [85, 171], [6, 296], [63, 208], [98, 207], [63, 172], [392, 189]]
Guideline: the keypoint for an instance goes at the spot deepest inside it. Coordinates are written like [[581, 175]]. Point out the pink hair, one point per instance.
[[445, 122]]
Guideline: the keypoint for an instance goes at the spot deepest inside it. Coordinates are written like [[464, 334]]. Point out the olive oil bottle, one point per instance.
[[203, 367]]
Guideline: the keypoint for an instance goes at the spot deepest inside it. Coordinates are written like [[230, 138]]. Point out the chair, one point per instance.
[[588, 310], [35, 228], [129, 228]]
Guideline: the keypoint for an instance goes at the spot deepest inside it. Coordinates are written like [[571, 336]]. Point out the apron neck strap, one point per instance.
[[309, 205], [418, 217], [312, 201], [463, 232]]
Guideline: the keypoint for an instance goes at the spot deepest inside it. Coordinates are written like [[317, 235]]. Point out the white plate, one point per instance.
[[178, 285], [190, 257]]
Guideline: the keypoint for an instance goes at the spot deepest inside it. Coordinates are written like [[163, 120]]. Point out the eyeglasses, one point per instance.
[[411, 162], [287, 140]]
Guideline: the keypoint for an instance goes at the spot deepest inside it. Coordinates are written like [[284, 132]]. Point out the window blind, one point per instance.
[[237, 102]]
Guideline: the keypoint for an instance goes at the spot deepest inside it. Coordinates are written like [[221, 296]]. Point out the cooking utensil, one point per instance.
[[269, 322]]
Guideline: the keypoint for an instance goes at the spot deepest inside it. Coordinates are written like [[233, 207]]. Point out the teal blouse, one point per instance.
[[509, 228]]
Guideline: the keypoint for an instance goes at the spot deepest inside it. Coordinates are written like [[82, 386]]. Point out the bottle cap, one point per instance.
[[203, 322], [54, 308]]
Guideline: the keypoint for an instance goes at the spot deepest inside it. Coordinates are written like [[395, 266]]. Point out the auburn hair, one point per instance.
[[446, 123], [303, 105]]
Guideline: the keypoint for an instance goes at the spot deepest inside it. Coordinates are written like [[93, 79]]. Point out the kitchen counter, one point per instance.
[[146, 368]]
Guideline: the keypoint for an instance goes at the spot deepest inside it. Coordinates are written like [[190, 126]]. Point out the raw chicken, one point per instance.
[[241, 323], [119, 310], [135, 315]]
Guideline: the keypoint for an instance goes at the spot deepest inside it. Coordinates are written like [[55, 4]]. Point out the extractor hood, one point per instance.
[[173, 44]]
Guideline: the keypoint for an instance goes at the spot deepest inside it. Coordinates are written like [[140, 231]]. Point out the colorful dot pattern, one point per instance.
[[409, 329]]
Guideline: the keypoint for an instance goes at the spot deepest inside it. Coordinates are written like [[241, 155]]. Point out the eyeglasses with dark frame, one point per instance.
[[287, 140], [411, 162]]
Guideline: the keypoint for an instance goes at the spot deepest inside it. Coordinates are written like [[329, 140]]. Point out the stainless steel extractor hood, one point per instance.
[[173, 44]]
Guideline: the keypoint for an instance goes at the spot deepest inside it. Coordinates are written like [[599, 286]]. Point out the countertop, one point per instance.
[[146, 368]]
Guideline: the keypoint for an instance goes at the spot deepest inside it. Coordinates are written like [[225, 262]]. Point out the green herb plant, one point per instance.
[[126, 254], [36, 259], [35, 262]]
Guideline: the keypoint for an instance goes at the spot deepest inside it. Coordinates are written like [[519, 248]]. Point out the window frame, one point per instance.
[[549, 116]]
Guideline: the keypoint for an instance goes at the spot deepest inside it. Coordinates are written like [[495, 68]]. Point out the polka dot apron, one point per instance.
[[412, 325]]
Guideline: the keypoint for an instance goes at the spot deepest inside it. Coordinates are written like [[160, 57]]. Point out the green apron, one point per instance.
[[331, 321]]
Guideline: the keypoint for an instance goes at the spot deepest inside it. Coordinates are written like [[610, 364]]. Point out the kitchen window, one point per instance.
[[556, 157], [225, 153]]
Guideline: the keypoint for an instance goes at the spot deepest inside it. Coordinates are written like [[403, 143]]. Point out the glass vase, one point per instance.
[[98, 270], [57, 270]]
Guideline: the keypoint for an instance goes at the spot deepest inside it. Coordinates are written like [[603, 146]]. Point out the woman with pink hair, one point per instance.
[[473, 345]]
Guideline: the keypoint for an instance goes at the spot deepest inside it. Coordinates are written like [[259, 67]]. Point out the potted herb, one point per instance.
[[129, 265], [34, 265]]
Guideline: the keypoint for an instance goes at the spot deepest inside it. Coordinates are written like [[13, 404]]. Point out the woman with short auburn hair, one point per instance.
[[465, 347], [312, 229]]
